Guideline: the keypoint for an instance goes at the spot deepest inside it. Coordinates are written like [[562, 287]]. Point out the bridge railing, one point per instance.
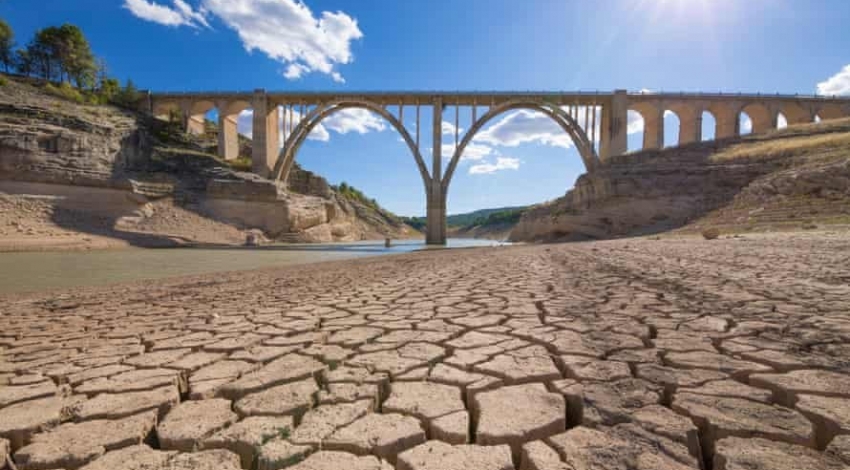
[[459, 93]]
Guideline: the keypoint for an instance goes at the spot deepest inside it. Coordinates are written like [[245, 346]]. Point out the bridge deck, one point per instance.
[[483, 98]]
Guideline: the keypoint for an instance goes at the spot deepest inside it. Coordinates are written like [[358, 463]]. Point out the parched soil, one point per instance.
[[633, 354]]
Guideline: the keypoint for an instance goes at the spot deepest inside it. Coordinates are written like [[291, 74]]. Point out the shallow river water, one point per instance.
[[36, 271]]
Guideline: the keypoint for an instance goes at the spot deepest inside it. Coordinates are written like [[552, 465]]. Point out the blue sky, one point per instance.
[[767, 46]]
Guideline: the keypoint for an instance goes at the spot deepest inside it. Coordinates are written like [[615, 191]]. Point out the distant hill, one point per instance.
[[478, 217], [471, 219]]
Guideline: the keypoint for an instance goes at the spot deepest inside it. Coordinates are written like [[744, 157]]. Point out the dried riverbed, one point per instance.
[[630, 354]]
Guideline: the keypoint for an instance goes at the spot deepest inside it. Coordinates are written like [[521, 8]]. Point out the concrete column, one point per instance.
[[266, 134], [228, 136], [615, 122], [764, 122], [690, 125], [727, 123], [653, 128], [436, 202], [192, 123]]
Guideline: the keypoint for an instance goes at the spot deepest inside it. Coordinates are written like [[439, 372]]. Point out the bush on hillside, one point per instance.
[[711, 233]]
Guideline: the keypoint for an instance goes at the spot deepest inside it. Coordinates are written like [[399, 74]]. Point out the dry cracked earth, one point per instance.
[[731, 354]]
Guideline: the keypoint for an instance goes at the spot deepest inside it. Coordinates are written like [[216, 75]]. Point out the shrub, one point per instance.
[[710, 233], [240, 164], [4, 81], [65, 91]]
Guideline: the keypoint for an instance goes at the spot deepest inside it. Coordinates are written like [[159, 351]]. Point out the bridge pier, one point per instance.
[[228, 135], [266, 134], [613, 140], [435, 228]]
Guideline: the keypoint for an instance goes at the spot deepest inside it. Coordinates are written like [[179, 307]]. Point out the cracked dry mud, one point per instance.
[[634, 355]]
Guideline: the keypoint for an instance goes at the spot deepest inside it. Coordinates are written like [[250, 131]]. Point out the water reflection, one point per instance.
[[24, 272]]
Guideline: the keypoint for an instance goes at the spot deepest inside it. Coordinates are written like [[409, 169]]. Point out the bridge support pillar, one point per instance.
[[690, 125], [614, 128], [228, 136], [436, 203], [653, 129], [266, 134], [727, 122]]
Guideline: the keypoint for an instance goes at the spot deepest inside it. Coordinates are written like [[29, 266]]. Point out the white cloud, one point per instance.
[[746, 124], [838, 84], [472, 151], [181, 15], [198, 17], [285, 30], [502, 163], [523, 126], [295, 71], [356, 120], [634, 122], [449, 128]]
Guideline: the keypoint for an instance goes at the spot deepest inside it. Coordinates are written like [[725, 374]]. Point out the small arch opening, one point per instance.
[[672, 128], [745, 124], [635, 128], [709, 126]]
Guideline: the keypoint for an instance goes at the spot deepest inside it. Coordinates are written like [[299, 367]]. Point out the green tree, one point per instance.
[[63, 54], [109, 88], [127, 96], [7, 44], [23, 62]]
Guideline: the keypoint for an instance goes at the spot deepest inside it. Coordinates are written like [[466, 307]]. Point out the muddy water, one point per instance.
[[38, 271]]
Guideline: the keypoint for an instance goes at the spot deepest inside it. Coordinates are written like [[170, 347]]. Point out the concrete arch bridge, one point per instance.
[[597, 123]]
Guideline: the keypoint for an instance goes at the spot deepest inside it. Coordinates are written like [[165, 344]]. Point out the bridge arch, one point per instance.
[[583, 144], [708, 123], [286, 158], [796, 114], [652, 114], [762, 118], [675, 123], [832, 111]]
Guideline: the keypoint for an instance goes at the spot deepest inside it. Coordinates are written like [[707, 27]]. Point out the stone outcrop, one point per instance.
[[106, 172], [786, 177]]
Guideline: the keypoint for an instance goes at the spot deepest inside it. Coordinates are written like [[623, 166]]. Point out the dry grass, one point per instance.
[[822, 144]]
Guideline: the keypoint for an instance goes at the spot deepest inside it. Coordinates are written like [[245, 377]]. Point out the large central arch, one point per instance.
[[584, 146], [293, 143]]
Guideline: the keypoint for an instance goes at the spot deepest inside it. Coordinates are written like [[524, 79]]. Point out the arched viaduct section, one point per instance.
[[597, 123]]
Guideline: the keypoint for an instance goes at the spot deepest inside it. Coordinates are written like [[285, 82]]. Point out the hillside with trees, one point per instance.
[[80, 164], [62, 59]]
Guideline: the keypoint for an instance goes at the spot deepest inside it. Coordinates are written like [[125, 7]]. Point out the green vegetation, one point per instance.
[[240, 164], [478, 217], [416, 222], [62, 57], [7, 44], [350, 192], [501, 217]]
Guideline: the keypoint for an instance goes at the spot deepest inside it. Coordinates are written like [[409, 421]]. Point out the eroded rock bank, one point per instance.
[[92, 176], [796, 178]]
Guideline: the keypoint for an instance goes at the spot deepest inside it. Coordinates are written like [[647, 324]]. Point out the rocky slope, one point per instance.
[[91, 176], [795, 178]]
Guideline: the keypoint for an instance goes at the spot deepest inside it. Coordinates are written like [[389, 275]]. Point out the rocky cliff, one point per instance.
[[109, 174], [794, 178]]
